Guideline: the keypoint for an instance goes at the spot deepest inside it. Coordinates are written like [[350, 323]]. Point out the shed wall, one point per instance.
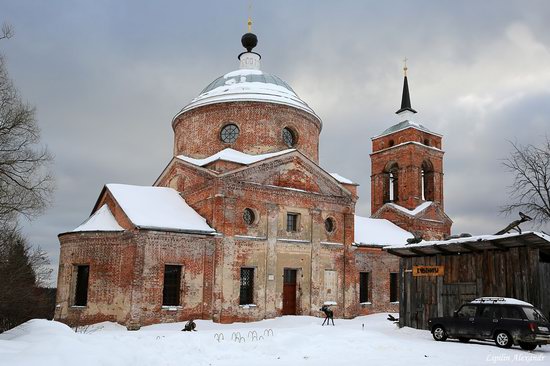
[[515, 273]]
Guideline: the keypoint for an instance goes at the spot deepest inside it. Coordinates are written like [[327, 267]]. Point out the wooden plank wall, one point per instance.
[[515, 272], [544, 282]]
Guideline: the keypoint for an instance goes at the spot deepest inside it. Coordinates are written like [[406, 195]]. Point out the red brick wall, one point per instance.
[[197, 132], [409, 158], [127, 272], [406, 135], [410, 149], [111, 257], [379, 265], [433, 224]]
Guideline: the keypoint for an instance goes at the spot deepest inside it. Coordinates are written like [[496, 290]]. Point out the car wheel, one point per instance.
[[439, 333], [527, 346], [503, 339], [463, 340]]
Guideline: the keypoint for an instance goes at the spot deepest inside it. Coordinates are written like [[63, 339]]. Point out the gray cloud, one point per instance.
[[107, 78]]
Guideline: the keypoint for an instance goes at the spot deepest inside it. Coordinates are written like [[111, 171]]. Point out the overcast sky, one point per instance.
[[107, 77]]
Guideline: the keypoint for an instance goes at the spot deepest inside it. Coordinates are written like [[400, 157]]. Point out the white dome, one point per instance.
[[248, 85]]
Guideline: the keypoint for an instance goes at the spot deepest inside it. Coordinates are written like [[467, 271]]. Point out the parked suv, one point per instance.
[[504, 320]]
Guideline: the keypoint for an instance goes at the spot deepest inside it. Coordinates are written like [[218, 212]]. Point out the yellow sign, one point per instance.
[[428, 271]]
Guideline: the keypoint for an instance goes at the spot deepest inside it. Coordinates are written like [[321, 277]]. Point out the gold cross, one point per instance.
[[405, 68], [249, 16]]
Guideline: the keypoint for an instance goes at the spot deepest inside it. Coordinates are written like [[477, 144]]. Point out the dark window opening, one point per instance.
[[289, 137], [391, 143], [289, 276], [427, 181], [427, 142], [248, 216], [291, 222], [172, 284], [544, 257], [393, 287], [247, 286], [81, 290], [364, 287], [330, 226]]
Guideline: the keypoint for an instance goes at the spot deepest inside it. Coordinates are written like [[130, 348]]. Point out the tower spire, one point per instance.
[[405, 98]]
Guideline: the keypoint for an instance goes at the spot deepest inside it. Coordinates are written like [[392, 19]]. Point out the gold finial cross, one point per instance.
[[249, 25], [405, 68]]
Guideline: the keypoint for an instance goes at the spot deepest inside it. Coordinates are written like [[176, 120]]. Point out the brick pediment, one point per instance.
[[293, 171], [429, 223]]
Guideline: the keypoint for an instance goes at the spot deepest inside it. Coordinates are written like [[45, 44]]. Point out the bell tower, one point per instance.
[[407, 174]]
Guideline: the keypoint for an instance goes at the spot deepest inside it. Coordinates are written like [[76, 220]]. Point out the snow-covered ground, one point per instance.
[[295, 340]]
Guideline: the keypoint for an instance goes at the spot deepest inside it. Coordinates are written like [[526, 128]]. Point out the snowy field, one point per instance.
[[290, 340]]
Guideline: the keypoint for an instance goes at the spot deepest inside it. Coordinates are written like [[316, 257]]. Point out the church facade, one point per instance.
[[244, 224]]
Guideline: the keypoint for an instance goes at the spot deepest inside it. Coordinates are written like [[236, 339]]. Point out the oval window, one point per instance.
[[330, 225], [249, 216], [289, 137], [229, 133]]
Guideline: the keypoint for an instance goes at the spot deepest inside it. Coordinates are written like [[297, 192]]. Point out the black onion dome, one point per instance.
[[249, 41]]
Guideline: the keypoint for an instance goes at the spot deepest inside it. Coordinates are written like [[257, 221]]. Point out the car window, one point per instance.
[[491, 312], [534, 314], [512, 312], [467, 311]]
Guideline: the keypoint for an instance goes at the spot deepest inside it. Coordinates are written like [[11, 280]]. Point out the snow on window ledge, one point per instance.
[[290, 240], [78, 307], [247, 306], [394, 302], [171, 308], [365, 303]]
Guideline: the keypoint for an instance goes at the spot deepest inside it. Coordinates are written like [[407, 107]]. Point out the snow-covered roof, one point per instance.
[[233, 156], [101, 220], [414, 212], [158, 208], [500, 300], [341, 179], [472, 243], [380, 232], [248, 85], [403, 125]]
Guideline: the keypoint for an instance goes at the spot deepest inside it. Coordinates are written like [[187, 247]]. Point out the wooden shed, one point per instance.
[[439, 276]]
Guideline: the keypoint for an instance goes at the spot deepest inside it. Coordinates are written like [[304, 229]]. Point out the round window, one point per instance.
[[330, 225], [248, 216], [289, 137], [229, 133]]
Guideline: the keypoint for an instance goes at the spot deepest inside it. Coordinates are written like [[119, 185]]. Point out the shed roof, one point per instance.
[[473, 244]]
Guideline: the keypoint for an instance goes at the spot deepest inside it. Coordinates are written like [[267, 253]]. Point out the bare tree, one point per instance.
[[26, 184], [23, 272], [6, 32], [530, 191]]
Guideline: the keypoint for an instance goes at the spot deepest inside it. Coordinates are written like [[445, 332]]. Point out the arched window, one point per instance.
[[391, 183], [427, 184]]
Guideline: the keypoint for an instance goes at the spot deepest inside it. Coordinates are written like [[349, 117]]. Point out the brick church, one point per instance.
[[244, 223]]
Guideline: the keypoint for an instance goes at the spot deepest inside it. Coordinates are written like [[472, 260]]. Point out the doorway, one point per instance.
[[289, 291]]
